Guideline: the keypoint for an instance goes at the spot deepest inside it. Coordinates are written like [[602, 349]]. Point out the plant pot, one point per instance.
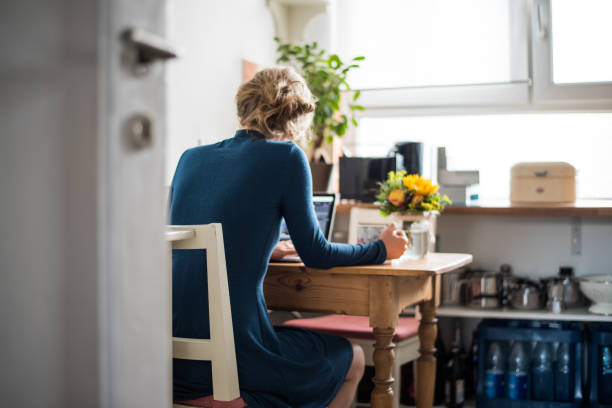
[[321, 173]]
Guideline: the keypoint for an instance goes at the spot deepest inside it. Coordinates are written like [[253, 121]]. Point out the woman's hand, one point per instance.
[[395, 241], [283, 249]]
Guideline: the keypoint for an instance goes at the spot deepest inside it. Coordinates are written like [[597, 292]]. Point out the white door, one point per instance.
[[135, 306]]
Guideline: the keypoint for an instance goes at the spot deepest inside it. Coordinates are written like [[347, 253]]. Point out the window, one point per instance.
[[543, 54], [572, 55], [412, 43], [494, 143], [581, 36]]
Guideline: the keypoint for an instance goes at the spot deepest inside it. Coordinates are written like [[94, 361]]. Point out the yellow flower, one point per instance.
[[425, 187], [421, 186], [416, 199], [410, 181], [397, 197]]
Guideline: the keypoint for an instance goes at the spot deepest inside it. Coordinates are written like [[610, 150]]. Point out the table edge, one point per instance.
[[396, 270]]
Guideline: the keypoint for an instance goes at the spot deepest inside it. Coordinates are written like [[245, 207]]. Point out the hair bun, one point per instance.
[[274, 102]]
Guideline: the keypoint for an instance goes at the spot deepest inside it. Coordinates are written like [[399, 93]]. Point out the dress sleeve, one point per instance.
[[298, 210]]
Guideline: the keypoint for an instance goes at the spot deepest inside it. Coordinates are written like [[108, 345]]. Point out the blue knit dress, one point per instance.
[[247, 184]]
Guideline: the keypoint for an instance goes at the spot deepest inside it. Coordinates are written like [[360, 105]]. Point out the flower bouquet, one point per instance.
[[410, 194], [411, 197]]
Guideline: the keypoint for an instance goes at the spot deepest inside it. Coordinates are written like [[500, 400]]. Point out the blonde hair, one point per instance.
[[277, 103]]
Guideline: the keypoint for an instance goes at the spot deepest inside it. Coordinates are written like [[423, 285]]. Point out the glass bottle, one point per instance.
[[441, 360], [473, 362], [454, 386]]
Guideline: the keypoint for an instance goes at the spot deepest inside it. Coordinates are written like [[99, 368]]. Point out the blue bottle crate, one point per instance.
[[599, 334], [508, 331]]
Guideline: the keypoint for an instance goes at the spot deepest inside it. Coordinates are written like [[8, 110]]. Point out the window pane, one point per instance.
[[493, 143], [424, 42], [582, 41]]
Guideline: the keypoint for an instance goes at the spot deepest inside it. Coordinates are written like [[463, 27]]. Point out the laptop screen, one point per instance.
[[324, 205]]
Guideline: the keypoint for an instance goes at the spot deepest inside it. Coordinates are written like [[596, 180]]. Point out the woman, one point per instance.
[[247, 183]]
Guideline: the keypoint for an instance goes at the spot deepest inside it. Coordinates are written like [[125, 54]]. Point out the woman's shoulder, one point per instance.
[[272, 151], [273, 148], [281, 146]]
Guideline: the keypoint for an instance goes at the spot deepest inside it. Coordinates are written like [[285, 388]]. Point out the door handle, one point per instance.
[[147, 48], [542, 32]]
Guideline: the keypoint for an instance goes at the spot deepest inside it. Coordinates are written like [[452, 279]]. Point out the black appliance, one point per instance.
[[409, 157], [359, 176]]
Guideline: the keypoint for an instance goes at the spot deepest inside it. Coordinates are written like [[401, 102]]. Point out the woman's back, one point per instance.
[[247, 184]]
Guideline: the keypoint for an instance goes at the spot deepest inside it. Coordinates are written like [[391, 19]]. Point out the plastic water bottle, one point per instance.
[[494, 374], [542, 372], [605, 376], [563, 376], [517, 373]]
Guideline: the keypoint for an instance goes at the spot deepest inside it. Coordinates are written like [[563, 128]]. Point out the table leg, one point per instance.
[[384, 356], [426, 364]]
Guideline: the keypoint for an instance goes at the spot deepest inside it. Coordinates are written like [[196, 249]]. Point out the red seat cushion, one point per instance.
[[356, 327], [209, 402]]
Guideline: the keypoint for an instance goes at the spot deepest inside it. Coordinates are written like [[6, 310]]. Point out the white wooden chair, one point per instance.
[[219, 349]]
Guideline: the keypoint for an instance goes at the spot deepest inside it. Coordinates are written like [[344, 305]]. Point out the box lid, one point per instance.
[[543, 169]]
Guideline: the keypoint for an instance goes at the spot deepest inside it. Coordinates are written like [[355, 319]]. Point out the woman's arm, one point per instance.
[[304, 229]]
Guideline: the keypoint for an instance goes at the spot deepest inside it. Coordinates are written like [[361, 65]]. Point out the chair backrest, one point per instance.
[[219, 350]]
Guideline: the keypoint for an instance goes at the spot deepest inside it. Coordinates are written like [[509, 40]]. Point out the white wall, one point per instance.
[[213, 37], [319, 29], [534, 246]]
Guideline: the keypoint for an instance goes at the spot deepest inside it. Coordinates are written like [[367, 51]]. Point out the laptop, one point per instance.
[[325, 210]]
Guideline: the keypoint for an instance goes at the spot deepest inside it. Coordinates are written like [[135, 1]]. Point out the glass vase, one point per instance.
[[417, 230]]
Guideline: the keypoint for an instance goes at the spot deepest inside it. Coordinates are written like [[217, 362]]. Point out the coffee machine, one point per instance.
[[409, 157]]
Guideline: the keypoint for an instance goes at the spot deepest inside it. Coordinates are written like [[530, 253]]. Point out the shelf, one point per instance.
[[582, 208], [579, 315]]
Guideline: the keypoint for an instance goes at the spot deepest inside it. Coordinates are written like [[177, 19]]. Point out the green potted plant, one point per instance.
[[325, 75]]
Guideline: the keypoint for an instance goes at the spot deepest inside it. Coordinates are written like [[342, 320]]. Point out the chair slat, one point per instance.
[[192, 349]]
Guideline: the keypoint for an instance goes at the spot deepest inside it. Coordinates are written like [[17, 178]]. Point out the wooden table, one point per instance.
[[380, 292]]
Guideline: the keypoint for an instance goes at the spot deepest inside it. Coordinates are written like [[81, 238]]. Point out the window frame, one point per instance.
[[531, 87], [545, 90]]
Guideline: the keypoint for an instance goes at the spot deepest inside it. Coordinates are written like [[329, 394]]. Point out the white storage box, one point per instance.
[[553, 182]]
